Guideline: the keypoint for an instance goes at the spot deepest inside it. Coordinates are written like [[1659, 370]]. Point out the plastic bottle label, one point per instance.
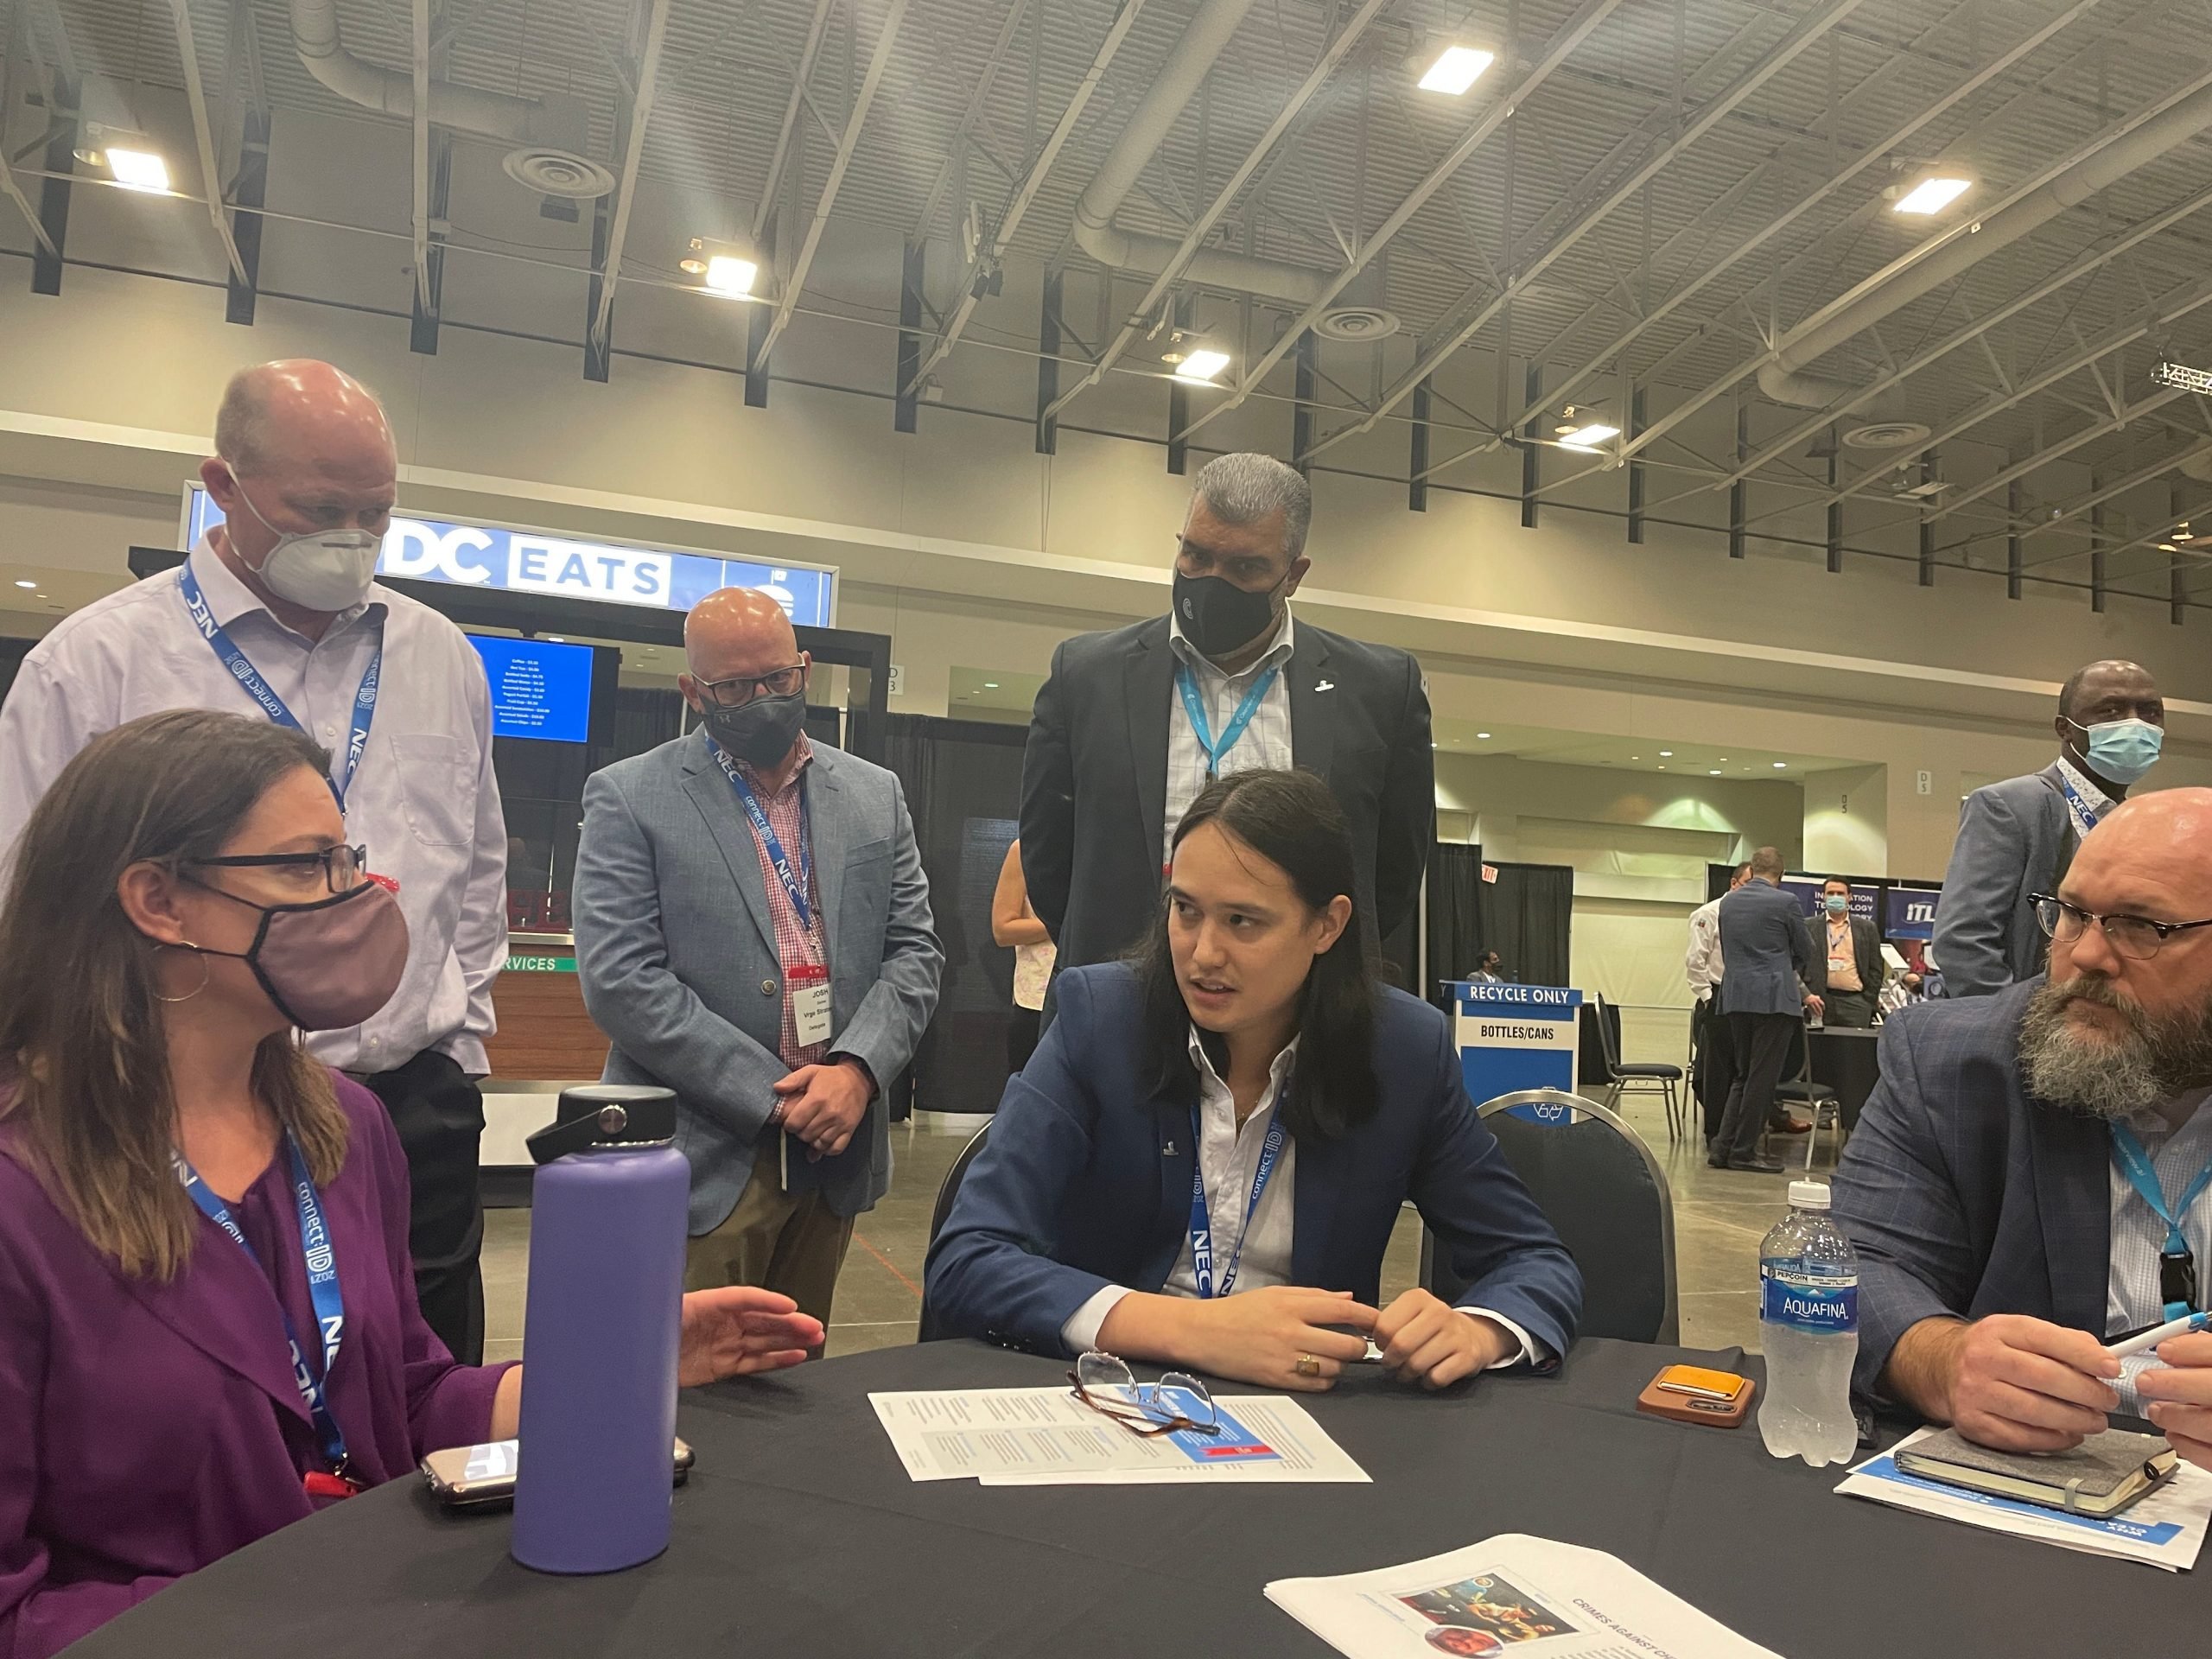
[[1820, 1304]]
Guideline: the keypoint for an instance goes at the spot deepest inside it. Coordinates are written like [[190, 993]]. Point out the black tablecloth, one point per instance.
[[1845, 1059], [799, 1534]]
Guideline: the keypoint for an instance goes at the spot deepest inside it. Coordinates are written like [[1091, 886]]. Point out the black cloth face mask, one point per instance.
[[762, 732], [1218, 616]]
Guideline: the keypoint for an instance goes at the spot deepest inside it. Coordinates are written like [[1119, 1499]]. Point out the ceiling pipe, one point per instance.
[[1782, 378], [1147, 128], [496, 114]]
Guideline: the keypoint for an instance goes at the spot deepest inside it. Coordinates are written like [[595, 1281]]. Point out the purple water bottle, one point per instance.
[[596, 1461]]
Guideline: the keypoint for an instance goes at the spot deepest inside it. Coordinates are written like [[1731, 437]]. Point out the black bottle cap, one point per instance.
[[597, 1116]]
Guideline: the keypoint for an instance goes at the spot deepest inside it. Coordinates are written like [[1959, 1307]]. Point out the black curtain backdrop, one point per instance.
[[1526, 916], [963, 779]]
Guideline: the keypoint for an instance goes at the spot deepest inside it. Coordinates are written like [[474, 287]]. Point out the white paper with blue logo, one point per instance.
[[2165, 1529], [1040, 1437]]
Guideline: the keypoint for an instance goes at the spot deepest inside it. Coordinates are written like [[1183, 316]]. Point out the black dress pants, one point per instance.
[[1715, 1062], [439, 1114], [1762, 1046]]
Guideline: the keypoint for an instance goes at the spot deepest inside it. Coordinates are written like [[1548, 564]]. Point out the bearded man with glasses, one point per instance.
[[2032, 1178]]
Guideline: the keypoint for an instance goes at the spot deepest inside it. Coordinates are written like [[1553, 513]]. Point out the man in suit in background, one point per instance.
[[2010, 1183], [1848, 971], [777, 1037], [1714, 1061], [1766, 955], [2017, 838], [1132, 722]]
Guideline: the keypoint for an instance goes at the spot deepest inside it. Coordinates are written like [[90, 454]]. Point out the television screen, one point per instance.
[[539, 688]]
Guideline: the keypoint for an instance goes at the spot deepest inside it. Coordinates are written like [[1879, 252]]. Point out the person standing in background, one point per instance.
[[1713, 1060], [778, 1037], [1132, 723], [275, 613], [1767, 955], [2017, 838], [1489, 969], [1013, 924], [1847, 967]]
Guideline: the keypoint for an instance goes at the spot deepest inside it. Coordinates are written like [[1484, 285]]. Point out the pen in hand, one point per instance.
[[2149, 1339]]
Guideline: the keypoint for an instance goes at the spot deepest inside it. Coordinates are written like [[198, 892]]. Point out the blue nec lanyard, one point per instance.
[[322, 1289], [794, 879], [1202, 1219], [1202, 728], [2084, 816], [248, 678], [2176, 1281]]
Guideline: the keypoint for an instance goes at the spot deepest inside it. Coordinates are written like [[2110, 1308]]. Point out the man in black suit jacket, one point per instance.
[[1114, 755], [1843, 941], [1998, 1252]]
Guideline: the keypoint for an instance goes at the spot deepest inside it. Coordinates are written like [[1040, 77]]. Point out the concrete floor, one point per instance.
[[1719, 1217]]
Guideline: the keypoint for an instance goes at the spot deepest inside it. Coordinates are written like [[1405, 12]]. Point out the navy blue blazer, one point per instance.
[[1963, 1193], [1765, 952], [1085, 1182]]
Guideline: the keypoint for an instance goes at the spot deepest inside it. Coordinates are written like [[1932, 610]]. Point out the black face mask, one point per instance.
[[1218, 616], [761, 732]]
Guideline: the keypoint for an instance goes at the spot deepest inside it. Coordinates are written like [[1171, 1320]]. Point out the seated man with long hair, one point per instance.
[[184, 898], [1244, 1109]]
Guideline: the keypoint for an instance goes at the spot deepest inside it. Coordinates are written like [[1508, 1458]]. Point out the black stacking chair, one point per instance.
[[946, 1193], [1663, 1080]]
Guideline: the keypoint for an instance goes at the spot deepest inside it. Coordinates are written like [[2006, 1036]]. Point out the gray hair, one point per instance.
[[2156, 1059], [1242, 489]]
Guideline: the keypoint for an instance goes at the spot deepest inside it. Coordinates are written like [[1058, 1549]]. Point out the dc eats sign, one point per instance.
[[532, 562]]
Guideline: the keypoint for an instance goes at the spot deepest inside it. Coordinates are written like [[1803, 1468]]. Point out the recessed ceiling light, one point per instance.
[[1483, 736], [139, 169], [1713, 773], [1456, 68], [555, 640], [1932, 195], [1724, 760], [990, 685], [1782, 766], [20, 583], [1666, 754], [1663, 768]]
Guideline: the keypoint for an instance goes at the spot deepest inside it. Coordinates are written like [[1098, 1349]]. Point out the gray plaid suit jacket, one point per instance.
[[1963, 1193]]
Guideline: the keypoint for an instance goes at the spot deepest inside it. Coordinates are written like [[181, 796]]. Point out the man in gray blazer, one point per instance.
[[754, 931], [1848, 972], [1765, 957], [2002, 1235], [2016, 838]]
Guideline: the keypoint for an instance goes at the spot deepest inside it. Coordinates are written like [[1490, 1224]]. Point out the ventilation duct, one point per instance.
[[1155, 118], [551, 132], [1782, 376]]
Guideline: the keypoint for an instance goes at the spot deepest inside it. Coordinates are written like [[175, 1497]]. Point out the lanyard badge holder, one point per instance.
[[1194, 709], [2177, 1280], [1202, 1218], [808, 982], [323, 1292]]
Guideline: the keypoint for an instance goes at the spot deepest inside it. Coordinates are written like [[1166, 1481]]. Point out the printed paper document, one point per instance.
[[1513, 1596], [1043, 1437], [2165, 1528]]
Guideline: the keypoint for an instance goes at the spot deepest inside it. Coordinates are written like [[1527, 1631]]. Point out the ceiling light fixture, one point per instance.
[[990, 685], [1666, 754], [729, 269], [139, 169], [1782, 766], [26, 584], [1932, 195], [1589, 437], [1456, 68], [1194, 357], [1483, 736], [1713, 773]]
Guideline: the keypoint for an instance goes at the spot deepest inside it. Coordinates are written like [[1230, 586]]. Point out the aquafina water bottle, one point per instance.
[[1809, 1325]]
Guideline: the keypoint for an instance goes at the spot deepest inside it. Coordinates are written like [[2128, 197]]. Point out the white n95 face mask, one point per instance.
[[323, 569]]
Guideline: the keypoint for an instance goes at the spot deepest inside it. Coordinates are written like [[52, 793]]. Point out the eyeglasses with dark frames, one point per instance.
[[2136, 937], [736, 692], [1108, 1386], [342, 867]]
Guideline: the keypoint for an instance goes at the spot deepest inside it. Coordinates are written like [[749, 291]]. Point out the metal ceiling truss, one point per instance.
[[778, 156], [649, 35]]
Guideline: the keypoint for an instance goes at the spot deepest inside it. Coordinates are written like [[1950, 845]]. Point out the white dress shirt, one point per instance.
[[423, 800], [1702, 961], [1229, 1160], [1266, 742], [2131, 1300]]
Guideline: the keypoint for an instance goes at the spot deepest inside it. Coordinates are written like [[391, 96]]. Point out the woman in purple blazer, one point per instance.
[[183, 1192]]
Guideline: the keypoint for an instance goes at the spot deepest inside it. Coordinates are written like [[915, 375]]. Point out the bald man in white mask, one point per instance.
[[274, 616]]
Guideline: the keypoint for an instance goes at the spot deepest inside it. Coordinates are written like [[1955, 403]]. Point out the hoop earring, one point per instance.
[[195, 990]]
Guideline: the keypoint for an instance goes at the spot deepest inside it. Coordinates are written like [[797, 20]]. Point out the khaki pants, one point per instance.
[[790, 1245]]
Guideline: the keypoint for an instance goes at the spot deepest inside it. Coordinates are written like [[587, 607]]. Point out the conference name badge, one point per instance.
[[809, 987]]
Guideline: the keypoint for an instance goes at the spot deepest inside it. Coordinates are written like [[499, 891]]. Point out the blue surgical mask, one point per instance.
[[1838, 903], [2122, 750]]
